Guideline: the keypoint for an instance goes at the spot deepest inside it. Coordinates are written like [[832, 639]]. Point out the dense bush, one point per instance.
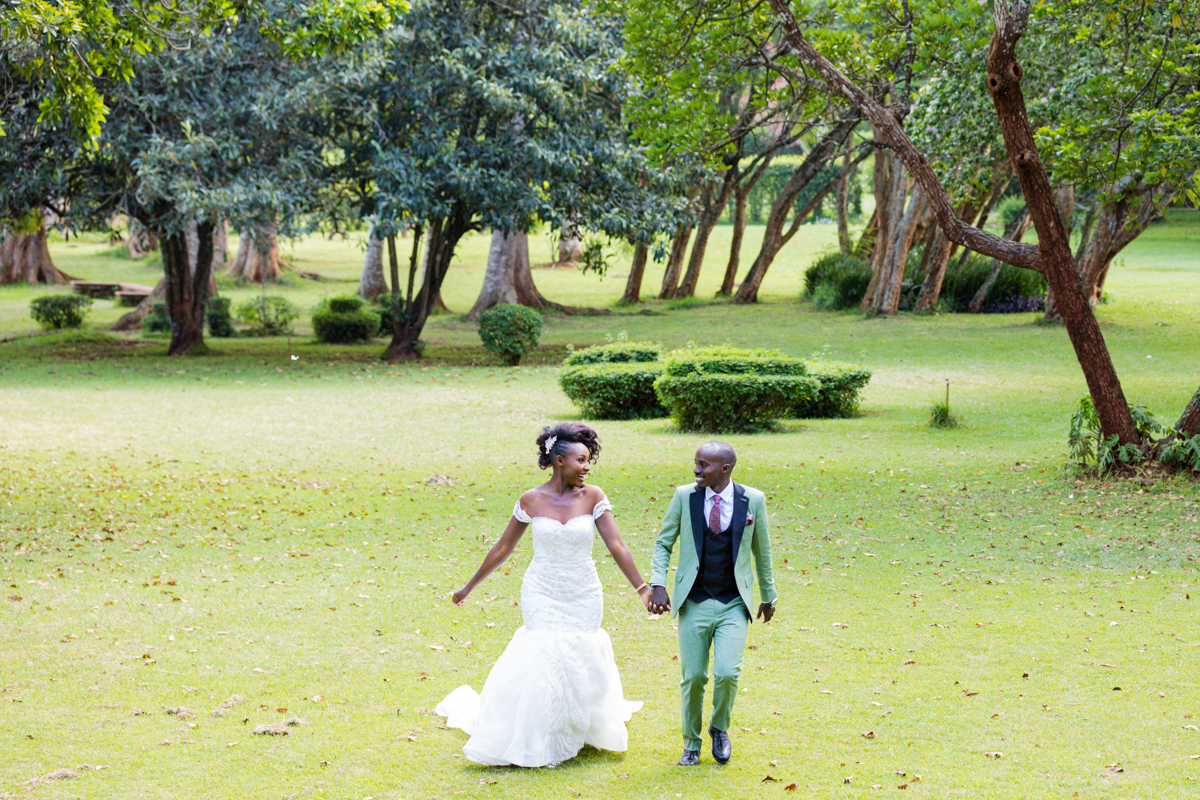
[[60, 310], [268, 316], [388, 309], [840, 383], [220, 322], [340, 320], [615, 353], [157, 320], [623, 390], [509, 331], [836, 281], [727, 389], [960, 285]]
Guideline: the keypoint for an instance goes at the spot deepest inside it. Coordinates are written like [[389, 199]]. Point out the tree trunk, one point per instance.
[[498, 281], [710, 214], [192, 234], [843, 196], [886, 299], [1015, 231], [257, 257], [372, 282], [1052, 255], [774, 237], [133, 319], [670, 281], [187, 288], [741, 194], [220, 259], [633, 286], [570, 248], [26, 258], [1189, 421], [141, 241]]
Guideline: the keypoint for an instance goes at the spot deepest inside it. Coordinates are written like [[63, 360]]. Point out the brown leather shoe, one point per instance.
[[690, 758]]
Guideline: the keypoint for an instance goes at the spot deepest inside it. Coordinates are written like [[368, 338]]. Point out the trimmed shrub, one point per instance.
[[615, 353], [732, 403], [53, 311], [836, 282], [509, 331], [268, 316], [841, 384], [623, 390], [728, 389], [340, 320], [157, 320], [220, 322]]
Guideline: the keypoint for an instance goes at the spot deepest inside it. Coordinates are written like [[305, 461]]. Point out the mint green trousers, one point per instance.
[[722, 628]]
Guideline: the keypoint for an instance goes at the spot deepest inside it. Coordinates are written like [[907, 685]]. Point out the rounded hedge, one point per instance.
[[615, 353], [157, 320], [509, 331], [733, 402], [53, 311], [733, 361], [220, 321], [623, 390], [837, 281], [841, 384], [343, 320]]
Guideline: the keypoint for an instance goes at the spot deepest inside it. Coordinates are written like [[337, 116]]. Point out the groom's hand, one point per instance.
[[766, 611], [660, 602]]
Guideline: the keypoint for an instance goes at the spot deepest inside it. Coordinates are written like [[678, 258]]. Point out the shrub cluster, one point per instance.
[[960, 285], [53, 311], [268, 316], [157, 320], [725, 389], [841, 384], [836, 281], [509, 331], [220, 322], [340, 320], [614, 381]]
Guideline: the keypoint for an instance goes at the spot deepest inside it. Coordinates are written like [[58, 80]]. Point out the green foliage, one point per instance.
[[268, 315], [614, 390], [509, 331], [728, 389], [220, 321], [53, 311], [390, 308], [1088, 445], [340, 320], [615, 353], [837, 281], [960, 284], [841, 383], [940, 416], [157, 320], [1182, 452]]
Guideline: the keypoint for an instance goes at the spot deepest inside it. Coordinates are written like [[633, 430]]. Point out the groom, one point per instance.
[[720, 525]]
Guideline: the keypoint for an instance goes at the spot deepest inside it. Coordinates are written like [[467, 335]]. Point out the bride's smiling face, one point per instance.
[[573, 464]]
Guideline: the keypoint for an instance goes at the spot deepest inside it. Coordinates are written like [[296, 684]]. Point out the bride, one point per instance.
[[555, 688]]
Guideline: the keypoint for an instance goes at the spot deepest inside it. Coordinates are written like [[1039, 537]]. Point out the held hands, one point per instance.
[[657, 601], [765, 611]]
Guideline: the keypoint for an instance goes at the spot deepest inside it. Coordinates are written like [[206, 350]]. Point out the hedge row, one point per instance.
[[711, 388]]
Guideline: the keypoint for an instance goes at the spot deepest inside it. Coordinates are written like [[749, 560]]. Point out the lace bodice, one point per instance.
[[561, 590]]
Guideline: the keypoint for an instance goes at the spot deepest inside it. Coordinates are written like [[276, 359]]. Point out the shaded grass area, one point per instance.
[[179, 531]]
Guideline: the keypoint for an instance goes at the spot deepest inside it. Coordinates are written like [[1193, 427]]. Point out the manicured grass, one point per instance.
[[178, 531]]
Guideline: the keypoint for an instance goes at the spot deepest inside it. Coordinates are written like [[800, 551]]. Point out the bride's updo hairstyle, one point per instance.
[[565, 433]]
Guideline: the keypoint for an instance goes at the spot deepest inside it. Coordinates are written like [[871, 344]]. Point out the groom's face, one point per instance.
[[710, 471]]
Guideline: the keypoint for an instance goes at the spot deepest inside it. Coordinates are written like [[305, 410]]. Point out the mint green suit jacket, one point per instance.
[[684, 524]]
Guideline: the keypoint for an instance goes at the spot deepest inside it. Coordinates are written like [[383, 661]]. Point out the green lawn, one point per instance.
[[174, 532]]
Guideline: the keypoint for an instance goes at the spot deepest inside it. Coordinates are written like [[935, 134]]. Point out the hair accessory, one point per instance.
[[549, 444]]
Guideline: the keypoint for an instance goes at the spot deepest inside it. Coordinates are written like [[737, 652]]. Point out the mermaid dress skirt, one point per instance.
[[556, 686]]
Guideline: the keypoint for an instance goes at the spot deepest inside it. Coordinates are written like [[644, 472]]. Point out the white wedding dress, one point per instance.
[[556, 687]]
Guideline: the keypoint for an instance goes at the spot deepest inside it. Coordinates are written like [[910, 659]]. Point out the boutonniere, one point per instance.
[[749, 519]]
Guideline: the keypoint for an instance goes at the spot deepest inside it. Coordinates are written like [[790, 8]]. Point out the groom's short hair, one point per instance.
[[724, 452]]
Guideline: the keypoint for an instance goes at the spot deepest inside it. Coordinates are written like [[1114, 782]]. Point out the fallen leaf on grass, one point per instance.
[[868, 734], [791, 787], [769, 778], [994, 755]]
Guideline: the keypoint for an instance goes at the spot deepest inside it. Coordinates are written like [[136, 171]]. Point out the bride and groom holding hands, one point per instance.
[[556, 686]]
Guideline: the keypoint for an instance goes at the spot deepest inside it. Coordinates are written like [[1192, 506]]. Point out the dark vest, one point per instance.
[[715, 579]]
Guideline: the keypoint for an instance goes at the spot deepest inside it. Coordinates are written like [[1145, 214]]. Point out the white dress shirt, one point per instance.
[[726, 504]]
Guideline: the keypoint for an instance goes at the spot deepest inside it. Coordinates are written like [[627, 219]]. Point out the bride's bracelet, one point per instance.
[[638, 590]]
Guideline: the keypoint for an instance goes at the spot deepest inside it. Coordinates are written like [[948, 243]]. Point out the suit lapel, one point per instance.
[[741, 504], [698, 520]]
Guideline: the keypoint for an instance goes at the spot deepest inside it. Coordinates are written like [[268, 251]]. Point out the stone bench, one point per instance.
[[130, 294], [94, 289]]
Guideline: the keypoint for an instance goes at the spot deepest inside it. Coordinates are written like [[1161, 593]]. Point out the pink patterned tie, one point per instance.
[[714, 516]]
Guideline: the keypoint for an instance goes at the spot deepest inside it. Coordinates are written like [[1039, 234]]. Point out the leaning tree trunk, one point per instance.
[[1015, 231], [133, 318], [842, 198], [442, 237], [774, 236], [710, 214], [741, 195], [670, 281], [886, 298], [633, 286], [1189, 421], [187, 288], [26, 258], [372, 283], [257, 257], [1052, 255]]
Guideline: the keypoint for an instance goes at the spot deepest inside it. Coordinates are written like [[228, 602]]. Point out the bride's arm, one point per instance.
[[606, 526], [495, 557]]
